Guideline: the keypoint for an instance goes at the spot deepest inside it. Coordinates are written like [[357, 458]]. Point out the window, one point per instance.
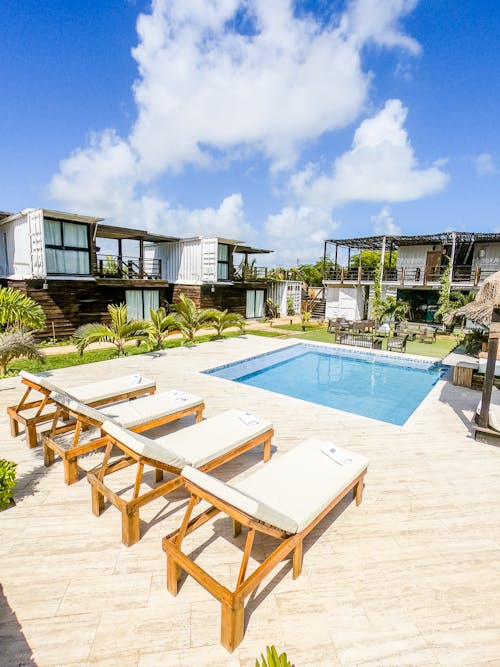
[[139, 303], [222, 261], [67, 248], [255, 303]]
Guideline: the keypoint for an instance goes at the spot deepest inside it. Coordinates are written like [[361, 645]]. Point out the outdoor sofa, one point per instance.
[[283, 500], [139, 415], [205, 446]]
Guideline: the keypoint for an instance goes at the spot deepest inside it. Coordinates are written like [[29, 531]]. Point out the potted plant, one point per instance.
[[305, 317]]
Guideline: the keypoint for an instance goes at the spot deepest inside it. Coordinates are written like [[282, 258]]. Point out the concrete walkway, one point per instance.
[[411, 577]]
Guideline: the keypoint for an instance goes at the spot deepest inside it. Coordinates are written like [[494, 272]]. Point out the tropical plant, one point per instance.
[[118, 331], [223, 320], [370, 259], [161, 326], [305, 317], [19, 310], [377, 291], [271, 309], [290, 309], [190, 318], [272, 659], [393, 309], [7, 482], [15, 344]]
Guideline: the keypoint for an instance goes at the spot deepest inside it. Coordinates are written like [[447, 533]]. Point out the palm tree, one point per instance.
[[16, 344], [393, 309], [223, 320], [161, 326], [19, 310], [118, 332], [190, 318]]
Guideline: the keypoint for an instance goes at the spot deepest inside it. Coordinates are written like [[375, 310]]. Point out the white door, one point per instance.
[[255, 304], [350, 302]]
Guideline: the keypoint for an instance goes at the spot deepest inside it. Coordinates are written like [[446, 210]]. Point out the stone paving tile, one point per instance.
[[408, 578]]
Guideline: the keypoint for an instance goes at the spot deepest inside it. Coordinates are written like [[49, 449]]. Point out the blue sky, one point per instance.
[[280, 124]]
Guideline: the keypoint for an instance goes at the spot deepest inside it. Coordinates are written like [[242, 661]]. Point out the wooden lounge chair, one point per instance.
[[397, 343], [139, 415], [285, 500], [31, 413], [206, 445]]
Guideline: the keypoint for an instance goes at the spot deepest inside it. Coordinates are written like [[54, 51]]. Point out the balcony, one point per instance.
[[250, 274], [128, 268], [411, 276]]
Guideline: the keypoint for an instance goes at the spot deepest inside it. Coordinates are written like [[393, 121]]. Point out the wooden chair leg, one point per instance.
[[48, 455], [158, 475], [199, 416], [232, 624], [267, 450], [297, 560], [236, 528], [173, 575], [70, 470], [358, 492], [97, 501], [31, 435], [14, 427], [130, 527]]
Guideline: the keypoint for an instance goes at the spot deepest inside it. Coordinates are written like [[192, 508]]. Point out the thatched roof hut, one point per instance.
[[481, 309]]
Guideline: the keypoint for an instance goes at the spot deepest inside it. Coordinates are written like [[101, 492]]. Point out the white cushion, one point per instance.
[[131, 414], [194, 445], [298, 486], [494, 413], [482, 366], [94, 392], [240, 500]]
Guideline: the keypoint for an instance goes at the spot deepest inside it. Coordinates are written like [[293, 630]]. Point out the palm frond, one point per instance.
[[18, 344], [18, 309]]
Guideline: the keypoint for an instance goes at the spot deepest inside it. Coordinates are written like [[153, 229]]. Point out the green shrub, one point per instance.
[[7, 482], [273, 659]]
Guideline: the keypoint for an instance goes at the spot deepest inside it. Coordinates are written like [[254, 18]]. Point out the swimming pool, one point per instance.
[[383, 387]]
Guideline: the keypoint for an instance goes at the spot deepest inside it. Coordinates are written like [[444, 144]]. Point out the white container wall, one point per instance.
[[344, 302], [280, 291], [490, 260]]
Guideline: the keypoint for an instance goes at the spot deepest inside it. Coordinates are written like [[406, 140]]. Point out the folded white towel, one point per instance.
[[337, 454], [135, 379], [179, 395], [248, 418]]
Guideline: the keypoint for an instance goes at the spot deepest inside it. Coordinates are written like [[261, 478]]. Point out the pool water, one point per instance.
[[381, 387]]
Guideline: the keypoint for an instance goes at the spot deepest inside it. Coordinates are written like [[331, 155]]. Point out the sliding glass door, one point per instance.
[[255, 304]]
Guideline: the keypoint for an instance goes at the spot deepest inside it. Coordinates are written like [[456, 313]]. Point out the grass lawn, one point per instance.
[[265, 333], [298, 327], [54, 361], [443, 345]]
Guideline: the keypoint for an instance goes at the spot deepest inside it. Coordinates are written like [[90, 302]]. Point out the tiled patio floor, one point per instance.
[[411, 577]]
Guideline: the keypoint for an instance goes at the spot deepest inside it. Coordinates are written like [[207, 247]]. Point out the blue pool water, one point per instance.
[[378, 386]]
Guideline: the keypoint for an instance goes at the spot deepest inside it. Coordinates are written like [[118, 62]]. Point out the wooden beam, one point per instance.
[[489, 376]]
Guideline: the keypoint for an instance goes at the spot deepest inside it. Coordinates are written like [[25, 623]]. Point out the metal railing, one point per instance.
[[462, 274], [249, 274], [128, 268]]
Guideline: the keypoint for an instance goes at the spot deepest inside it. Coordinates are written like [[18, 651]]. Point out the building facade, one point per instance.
[[415, 275]]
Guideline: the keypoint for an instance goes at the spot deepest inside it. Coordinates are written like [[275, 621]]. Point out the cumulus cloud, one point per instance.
[[484, 164], [381, 166], [383, 223], [220, 79], [298, 233]]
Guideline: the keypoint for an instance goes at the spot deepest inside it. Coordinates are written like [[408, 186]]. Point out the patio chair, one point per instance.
[[139, 415], [205, 446], [284, 500], [31, 413], [397, 343]]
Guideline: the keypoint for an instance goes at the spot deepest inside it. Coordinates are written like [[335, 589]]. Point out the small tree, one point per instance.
[[19, 310], [17, 344], [223, 320], [190, 318], [161, 326], [377, 292], [118, 332], [393, 309]]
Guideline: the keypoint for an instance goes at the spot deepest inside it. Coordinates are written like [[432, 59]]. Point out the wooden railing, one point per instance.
[[129, 268], [469, 275], [249, 274]]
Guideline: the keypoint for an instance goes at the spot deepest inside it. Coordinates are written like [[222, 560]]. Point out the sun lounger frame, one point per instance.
[[130, 508], [70, 455], [233, 602], [30, 423]]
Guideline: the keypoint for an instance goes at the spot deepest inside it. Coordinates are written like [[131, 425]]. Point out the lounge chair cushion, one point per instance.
[[194, 445], [131, 414], [297, 486], [95, 391]]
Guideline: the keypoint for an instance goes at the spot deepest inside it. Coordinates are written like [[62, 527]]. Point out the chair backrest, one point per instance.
[[39, 381], [72, 404]]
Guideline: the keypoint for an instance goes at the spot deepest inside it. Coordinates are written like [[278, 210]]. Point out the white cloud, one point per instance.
[[210, 90], [383, 223], [298, 233], [484, 164], [381, 166]]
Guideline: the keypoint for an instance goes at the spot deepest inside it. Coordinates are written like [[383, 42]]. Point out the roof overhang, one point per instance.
[[375, 242], [248, 250], [126, 233]]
